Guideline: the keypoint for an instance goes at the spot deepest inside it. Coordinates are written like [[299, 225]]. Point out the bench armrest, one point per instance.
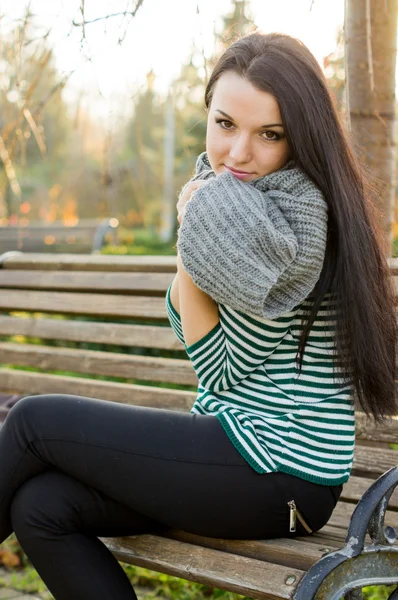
[[356, 565]]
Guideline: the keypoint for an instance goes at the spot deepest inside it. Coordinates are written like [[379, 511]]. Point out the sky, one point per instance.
[[160, 37]]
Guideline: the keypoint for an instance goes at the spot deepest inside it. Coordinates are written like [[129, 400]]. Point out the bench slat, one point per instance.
[[254, 578], [56, 245], [25, 382], [373, 461], [94, 362], [84, 262], [328, 537], [387, 432], [355, 487], [34, 227], [393, 264], [142, 283], [143, 336], [107, 305], [282, 551], [342, 514]]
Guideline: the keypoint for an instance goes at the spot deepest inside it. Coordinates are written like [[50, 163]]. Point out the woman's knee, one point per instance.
[[42, 503], [31, 411], [28, 406]]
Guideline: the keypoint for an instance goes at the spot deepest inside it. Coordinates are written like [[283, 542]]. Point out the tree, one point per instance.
[[371, 46], [33, 122], [334, 65]]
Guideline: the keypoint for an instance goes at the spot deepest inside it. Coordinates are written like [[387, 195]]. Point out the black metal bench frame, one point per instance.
[[100, 231], [345, 572]]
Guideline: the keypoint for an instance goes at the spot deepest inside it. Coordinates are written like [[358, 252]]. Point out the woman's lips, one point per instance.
[[237, 174]]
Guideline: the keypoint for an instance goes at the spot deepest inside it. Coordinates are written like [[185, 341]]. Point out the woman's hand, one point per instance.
[[186, 196]]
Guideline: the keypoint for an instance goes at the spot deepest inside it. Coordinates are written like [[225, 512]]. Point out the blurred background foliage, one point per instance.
[[58, 163]]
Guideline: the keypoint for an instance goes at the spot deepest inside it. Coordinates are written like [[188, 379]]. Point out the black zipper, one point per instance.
[[294, 515]]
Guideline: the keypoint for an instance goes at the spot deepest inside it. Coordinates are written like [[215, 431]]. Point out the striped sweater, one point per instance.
[[278, 419]]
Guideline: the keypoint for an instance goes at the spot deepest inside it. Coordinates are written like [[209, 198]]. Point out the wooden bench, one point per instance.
[[88, 235], [104, 303]]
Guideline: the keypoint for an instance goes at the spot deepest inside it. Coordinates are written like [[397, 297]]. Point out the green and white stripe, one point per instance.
[[278, 419]]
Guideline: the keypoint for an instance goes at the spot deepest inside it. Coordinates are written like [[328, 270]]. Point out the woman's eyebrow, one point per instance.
[[231, 119]]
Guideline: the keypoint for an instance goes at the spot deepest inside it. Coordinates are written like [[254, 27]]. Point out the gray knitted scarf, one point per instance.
[[257, 247]]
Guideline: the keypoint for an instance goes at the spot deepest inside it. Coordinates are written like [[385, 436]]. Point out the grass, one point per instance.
[[140, 242]]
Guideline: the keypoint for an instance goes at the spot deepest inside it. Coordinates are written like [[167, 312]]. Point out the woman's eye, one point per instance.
[[224, 124], [271, 136]]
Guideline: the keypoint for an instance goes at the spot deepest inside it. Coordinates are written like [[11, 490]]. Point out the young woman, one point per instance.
[[282, 299]]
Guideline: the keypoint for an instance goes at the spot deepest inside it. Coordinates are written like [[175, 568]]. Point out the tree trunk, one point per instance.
[[371, 46], [168, 214]]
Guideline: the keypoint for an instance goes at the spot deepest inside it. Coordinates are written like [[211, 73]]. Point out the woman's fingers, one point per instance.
[[185, 197]]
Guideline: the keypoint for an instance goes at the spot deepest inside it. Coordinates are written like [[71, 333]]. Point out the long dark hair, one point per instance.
[[355, 270]]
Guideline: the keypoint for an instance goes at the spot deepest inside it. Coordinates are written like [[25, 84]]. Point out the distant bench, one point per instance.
[[88, 235], [113, 309]]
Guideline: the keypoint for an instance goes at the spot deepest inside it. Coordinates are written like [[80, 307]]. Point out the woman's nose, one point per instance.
[[240, 150]]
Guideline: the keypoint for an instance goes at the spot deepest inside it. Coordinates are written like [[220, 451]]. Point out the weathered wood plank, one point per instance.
[[283, 551], [94, 362], [107, 305], [25, 382], [355, 487], [80, 246], [373, 461], [111, 262], [84, 262], [342, 514], [36, 226], [143, 283], [328, 537], [366, 429], [395, 284], [393, 264], [143, 336], [254, 578]]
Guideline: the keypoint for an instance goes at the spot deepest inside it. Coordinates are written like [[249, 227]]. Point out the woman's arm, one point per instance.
[[174, 294], [199, 312], [224, 346]]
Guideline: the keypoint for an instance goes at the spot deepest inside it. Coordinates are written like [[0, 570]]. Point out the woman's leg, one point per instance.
[[174, 468], [57, 520]]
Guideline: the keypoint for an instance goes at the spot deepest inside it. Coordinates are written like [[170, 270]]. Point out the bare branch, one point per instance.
[[39, 138], [82, 7], [202, 51], [51, 93], [125, 13], [9, 169]]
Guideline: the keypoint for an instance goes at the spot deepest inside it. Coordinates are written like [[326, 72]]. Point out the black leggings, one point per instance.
[[73, 468]]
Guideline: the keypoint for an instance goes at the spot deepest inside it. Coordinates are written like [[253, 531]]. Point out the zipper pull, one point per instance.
[[293, 516]]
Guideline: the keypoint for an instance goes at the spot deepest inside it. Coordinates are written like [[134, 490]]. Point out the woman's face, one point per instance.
[[245, 135]]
